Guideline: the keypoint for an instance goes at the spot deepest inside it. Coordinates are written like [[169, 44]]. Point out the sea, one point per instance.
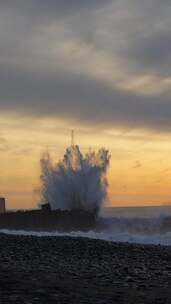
[[144, 225], [138, 212]]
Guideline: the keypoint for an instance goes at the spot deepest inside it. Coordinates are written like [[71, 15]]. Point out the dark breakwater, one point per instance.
[[47, 220]]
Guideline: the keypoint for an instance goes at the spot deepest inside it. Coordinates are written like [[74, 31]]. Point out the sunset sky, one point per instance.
[[100, 67]]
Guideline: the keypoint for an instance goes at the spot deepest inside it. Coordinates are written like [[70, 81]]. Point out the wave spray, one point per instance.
[[78, 182]]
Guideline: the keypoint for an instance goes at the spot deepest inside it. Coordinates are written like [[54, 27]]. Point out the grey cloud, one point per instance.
[[152, 52], [80, 98], [24, 88], [20, 18], [141, 36], [48, 9]]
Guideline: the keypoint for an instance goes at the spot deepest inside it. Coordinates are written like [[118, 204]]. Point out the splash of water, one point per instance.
[[77, 182]]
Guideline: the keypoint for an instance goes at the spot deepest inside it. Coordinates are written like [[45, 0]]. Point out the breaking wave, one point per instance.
[[133, 230]]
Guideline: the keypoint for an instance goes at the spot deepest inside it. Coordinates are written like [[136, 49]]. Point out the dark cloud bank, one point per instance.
[[73, 95]]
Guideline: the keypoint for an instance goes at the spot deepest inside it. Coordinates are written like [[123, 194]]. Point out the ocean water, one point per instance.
[[138, 212], [146, 225]]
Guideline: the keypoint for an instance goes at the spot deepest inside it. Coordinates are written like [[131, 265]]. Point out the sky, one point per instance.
[[102, 68]]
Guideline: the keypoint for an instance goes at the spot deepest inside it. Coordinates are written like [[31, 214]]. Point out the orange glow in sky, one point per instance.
[[139, 172]]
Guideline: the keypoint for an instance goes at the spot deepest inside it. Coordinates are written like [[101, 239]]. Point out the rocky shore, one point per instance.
[[78, 270]]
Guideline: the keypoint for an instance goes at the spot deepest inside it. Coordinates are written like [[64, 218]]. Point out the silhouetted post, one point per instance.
[[72, 138], [2, 205]]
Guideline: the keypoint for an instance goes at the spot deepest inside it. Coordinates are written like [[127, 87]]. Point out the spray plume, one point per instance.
[[77, 182]]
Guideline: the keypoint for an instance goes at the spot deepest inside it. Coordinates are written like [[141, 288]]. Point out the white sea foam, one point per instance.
[[77, 182], [135, 230]]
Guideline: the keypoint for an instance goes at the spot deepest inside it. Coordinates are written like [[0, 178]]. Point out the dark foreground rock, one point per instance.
[[77, 270]]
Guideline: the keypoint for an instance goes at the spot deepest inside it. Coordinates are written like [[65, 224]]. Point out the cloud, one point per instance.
[[137, 164], [2, 140], [82, 99], [153, 51], [56, 8], [3, 144], [107, 65]]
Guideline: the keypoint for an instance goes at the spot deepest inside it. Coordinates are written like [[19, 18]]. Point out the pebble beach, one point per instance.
[[80, 270]]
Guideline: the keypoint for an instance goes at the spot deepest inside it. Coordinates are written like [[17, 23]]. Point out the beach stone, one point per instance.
[[80, 270]]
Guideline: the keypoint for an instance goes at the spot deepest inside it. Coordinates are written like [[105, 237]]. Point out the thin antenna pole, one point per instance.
[[72, 138]]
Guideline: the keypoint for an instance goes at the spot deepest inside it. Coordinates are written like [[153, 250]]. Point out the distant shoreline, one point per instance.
[[139, 206], [104, 207]]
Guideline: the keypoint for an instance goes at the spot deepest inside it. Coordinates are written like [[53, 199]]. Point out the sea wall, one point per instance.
[[48, 220]]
